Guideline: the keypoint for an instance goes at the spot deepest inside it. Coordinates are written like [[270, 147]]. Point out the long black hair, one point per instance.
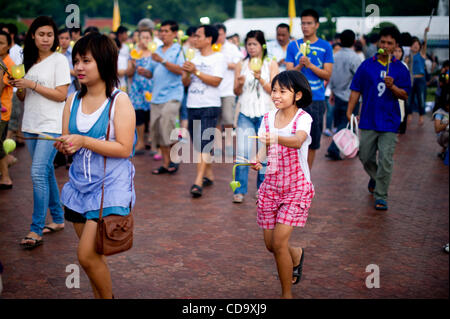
[[30, 50], [296, 82], [259, 36], [105, 54]]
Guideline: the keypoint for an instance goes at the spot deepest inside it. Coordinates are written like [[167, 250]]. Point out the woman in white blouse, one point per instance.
[[43, 90], [253, 89]]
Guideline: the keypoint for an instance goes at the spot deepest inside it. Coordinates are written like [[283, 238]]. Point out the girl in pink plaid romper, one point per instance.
[[286, 193]]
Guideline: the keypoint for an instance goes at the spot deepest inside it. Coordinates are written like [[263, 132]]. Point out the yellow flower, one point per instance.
[[148, 96]]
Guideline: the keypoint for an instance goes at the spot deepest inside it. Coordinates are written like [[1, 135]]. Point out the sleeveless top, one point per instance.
[[254, 101], [82, 193], [418, 64]]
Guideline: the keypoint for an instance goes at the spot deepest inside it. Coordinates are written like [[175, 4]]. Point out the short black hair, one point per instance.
[[210, 31], [173, 25], [121, 29], [7, 35], [446, 63], [191, 31], [391, 31], [91, 29], [405, 39], [296, 82], [347, 38], [105, 53], [73, 30], [63, 30], [220, 26], [12, 28], [373, 37], [284, 26], [310, 13]]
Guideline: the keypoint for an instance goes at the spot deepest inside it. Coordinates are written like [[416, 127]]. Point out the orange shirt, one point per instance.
[[7, 94]]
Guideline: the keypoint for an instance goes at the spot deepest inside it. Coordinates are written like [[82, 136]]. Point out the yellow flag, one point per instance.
[[291, 13], [116, 16]]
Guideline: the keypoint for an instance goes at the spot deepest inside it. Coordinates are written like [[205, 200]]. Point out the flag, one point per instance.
[[291, 13], [116, 16]]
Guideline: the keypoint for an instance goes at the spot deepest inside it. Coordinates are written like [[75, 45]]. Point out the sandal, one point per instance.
[[160, 170], [37, 242], [52, 230], [381, 204], [238, 198], [297, 271], [196, 191], [371, 186], [207, 182], [173, 168]]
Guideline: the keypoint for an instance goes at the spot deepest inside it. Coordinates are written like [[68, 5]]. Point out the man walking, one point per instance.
[[317, 66], [381, 83]]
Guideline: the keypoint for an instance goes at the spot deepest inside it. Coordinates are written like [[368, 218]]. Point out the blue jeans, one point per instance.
[[417, 94], [340, 121], [246, 126], [45, 188], [330, 114]]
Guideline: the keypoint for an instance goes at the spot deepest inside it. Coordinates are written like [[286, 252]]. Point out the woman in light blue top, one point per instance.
[[87, 115], [416, 63]]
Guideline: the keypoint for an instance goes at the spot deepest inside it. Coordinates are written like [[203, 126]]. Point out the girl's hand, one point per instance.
[[269, 139], [59, 146], [256, 165], [72, 143]]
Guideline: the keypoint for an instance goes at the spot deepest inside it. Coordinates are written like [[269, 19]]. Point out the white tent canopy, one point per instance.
[[414, 25]]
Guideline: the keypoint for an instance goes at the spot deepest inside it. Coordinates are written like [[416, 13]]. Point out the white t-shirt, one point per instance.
[[41, 114], [303, 124], [16, 54], [275, 50], [232, 55], [200, 94]]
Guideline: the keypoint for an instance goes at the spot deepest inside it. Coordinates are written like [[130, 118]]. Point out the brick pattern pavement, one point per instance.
[[211, 248]]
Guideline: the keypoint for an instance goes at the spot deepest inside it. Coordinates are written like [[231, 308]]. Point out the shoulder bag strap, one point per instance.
[[113, 97]]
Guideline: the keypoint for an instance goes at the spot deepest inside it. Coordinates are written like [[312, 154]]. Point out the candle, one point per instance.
[[152, 46]]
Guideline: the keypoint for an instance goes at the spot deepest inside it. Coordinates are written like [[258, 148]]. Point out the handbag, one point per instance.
[[114, 232], [346, 140]]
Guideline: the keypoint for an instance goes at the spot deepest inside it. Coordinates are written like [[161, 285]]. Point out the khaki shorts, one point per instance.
[[228, 110], [163, 119]]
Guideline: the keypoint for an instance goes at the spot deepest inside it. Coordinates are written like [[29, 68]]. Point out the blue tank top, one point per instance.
[[418, 64], [82, 193]]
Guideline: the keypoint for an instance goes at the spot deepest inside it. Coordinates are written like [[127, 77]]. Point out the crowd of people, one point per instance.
[[93, 101]]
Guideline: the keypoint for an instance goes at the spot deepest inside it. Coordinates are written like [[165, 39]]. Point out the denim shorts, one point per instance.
[[316, 109], [202, 119]]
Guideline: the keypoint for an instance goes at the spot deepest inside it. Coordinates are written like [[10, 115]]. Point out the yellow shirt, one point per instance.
[[7, 94]]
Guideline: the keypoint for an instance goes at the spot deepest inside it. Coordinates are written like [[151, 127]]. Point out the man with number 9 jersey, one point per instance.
[[381, 81]]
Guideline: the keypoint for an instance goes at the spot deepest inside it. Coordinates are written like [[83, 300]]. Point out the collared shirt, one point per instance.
[[346, 62], [72, 87], [380, 109], [321, 53], [232, 55], [275, 51], [167, 86]]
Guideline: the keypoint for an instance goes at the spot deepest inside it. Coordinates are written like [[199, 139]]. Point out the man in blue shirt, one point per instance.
[[381, 83], [317, 66], [167, 93]]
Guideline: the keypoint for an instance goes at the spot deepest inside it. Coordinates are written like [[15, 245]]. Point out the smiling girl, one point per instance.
[[43, 90], [286, 193]]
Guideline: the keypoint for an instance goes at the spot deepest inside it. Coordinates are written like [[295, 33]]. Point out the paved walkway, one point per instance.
[[211, 248]]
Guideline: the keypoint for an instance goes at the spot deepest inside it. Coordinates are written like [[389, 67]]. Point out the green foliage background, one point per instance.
[[188, 12]]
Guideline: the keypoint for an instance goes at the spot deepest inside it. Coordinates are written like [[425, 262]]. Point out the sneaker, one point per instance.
[[445, 248], [327, 132], [238, 198]]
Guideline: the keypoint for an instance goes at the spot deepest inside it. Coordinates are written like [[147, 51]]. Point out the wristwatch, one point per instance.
[[197, 73], [164, 62]]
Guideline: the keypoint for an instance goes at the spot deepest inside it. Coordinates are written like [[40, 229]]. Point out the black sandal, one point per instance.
[[173, 168], [297, 272], [196, 191], [161, 170], [207, 182]]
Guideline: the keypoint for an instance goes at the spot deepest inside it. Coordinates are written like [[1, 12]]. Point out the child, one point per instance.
[[98, 108], [286, 193]]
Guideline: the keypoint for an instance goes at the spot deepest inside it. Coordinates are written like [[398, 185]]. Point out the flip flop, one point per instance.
[[173, 168], [6, 186], [37, 242], [160, 170], [297, 271], [52, 230], [196, 191], [207, 182]]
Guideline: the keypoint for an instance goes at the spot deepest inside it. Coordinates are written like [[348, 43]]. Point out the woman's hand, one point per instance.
[[22, 83], [143, 71], [257, 74], [72, 143], [269, 139]]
